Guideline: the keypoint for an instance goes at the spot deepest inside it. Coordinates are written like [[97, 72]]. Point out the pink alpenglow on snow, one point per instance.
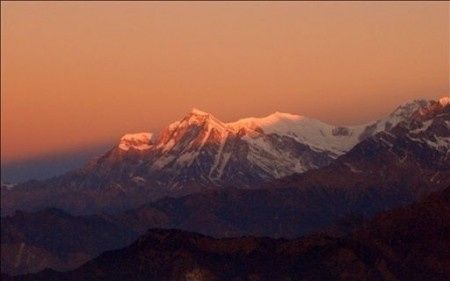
[[138, 141]]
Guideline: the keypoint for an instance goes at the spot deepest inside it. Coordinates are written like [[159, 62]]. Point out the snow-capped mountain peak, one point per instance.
[[137, 141], [404, 112], [198, 118], [314, 133], [408, 109], [201, 149], [270, 121]]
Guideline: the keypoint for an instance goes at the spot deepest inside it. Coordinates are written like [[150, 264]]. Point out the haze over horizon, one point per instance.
[[76, 76]]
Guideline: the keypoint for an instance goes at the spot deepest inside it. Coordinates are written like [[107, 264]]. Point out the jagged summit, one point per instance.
[[311, 131], [137, 141], [408, 108], [197, 118], [201, 148], [419, 105], [200, 151]]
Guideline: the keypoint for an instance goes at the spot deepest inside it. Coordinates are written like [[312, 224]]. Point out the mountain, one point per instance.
[[409, 243], [275, 212], [52, 238], [413, 154], [28, 239], [200, 152], [394, 167]]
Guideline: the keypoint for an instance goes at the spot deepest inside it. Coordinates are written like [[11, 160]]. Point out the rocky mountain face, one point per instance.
[[409, 243], [414, 154], [200, 152]]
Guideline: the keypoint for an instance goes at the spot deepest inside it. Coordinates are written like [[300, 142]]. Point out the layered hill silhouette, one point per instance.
[[408, 243]]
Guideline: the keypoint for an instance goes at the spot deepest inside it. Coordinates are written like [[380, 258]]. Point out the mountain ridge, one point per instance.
[[200, 152], [380, 249]]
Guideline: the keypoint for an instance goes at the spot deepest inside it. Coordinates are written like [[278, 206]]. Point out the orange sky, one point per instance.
[[78, 74]]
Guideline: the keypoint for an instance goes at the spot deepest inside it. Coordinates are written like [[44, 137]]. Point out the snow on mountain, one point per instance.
[[402, 113], [312, 132], [196, 111], [431, 125], [201, 149], [138, 141], [262, 150]]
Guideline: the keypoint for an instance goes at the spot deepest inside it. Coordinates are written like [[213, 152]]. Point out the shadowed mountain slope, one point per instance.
[[409, 243]]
